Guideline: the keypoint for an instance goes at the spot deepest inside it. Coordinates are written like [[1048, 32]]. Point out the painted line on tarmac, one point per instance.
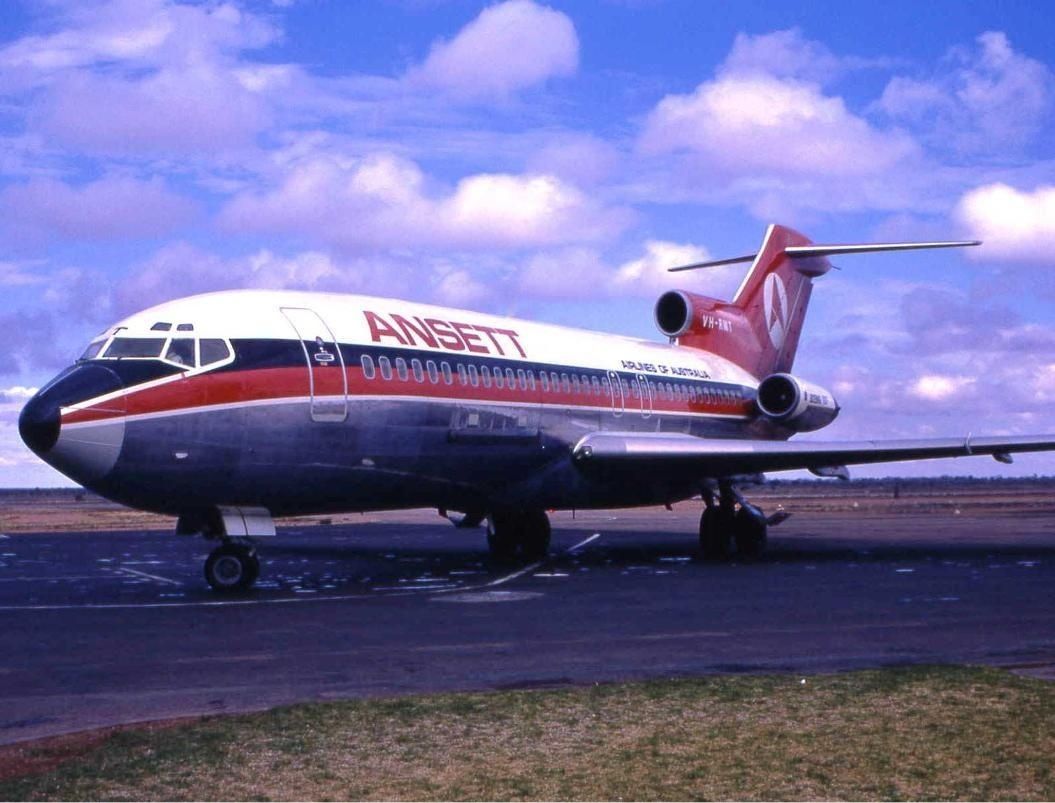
[[49, 578], [154, 577], [125, 606], [538, 564]]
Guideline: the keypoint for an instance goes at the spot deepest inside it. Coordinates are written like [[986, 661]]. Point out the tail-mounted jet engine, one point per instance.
[[795, 404], [680, 314]]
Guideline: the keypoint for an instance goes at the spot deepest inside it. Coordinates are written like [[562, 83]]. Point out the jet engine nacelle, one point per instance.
[[795, 404], [679, 313]]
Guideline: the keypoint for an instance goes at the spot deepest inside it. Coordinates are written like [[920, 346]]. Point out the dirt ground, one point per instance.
[[77, 510]]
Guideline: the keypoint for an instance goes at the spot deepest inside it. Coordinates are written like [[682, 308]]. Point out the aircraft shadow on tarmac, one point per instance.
[[424, 544]]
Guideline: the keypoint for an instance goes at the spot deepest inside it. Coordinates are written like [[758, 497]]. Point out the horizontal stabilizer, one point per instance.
[[714, 263], [802, 251], [806, 251]]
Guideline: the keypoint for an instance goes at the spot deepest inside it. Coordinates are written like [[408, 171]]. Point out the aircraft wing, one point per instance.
[[686, 455]]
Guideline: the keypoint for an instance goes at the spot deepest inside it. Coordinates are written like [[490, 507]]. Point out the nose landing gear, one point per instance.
[[232, 566]]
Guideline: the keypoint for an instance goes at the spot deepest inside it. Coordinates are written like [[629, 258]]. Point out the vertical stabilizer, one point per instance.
[[774, 295]]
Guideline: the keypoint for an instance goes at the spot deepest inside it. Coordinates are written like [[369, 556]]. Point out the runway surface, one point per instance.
[[111, 627]]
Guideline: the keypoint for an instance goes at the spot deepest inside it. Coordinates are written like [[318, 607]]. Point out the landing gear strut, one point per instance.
[[232, 566], [522, 533], [731, 518]]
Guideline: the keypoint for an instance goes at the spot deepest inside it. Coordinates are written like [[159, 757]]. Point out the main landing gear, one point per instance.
[[516, 534], [730, 519]]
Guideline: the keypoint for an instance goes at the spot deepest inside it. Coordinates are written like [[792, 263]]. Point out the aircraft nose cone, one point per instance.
[[39, 423], [87, 451]]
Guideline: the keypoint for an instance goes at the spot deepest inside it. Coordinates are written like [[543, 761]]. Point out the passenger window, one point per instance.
[[401, 369], [523, 378], [596, 385], [386, 367], [636, 388], [531, 379], [554, 381], [213, 350], [565, 383], [485, 375], [574, 383], [474, 376], [368, 366], [463, 375], [606, 385], [419, 372], [434, 374], [448, 377], [511, 380], [498, 378], [544, 379]]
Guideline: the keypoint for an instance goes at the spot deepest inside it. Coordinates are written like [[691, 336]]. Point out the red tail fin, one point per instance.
[[774, 296], [759, 330]]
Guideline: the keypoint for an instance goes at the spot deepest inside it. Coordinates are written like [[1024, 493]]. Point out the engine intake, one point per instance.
[[796, 404], [674, 313]]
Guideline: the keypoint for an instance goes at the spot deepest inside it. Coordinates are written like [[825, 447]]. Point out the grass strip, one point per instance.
[[947, 733]]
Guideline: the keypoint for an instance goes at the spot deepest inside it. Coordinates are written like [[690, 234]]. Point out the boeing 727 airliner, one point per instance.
[[229, 409]]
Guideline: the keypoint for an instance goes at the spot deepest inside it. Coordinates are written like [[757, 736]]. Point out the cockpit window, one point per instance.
[[214, 350], [181, 351], [135, 347], [93, 349]]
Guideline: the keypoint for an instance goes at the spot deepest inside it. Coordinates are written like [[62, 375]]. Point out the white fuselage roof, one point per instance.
[[257, 314]]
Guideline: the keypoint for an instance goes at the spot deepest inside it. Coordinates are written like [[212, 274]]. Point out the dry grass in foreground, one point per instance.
[[924, 733]]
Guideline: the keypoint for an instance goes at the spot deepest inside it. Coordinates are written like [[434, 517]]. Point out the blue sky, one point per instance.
[[547, 161]]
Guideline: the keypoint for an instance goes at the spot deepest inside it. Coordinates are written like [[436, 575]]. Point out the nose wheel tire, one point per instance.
[[232, 567]]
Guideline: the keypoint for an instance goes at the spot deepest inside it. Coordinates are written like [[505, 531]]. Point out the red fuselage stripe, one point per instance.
[[265, 384]]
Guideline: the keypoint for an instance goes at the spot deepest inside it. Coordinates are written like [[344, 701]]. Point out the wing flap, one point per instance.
[[713, 457]]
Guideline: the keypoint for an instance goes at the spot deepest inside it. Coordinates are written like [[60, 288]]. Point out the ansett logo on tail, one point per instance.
[[775, 304]]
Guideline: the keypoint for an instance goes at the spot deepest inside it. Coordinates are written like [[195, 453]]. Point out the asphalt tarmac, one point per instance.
[[104, 628]]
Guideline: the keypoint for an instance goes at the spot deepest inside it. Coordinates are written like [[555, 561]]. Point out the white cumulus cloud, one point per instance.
[[384, 201], [936, 387], [16, 394], [744, 123], [986, 99], [1013, 224], [508, 47]]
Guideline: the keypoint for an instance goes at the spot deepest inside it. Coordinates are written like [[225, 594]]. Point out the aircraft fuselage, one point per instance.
[[317, 403]]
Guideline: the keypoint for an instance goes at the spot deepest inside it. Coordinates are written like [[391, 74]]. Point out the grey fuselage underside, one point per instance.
[[388, 454]]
